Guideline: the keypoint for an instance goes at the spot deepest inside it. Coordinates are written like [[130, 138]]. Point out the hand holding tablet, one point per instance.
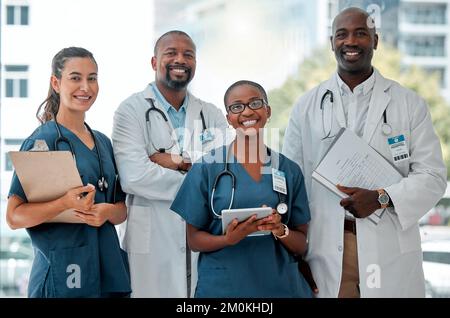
[[244, 214]]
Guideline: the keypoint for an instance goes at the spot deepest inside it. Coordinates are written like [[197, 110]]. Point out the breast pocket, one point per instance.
[[75, 272]]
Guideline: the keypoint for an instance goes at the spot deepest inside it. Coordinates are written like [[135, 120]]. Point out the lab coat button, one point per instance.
[[340, 248]]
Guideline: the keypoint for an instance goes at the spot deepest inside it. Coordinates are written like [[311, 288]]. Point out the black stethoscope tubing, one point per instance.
[[159, 111], [281, 206], [102, 184], [385, 127]]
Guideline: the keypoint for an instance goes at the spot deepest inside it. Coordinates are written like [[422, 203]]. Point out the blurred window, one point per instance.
[[425, 13], [437, 257], [424, 45], [10, 145], [17, 15], [16, 81]]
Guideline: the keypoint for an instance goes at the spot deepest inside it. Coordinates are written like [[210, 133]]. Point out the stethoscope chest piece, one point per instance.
[[102, 184], [386, 129], [282, 208]]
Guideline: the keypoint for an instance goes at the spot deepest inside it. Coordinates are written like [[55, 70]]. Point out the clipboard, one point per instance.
[[45, 175]]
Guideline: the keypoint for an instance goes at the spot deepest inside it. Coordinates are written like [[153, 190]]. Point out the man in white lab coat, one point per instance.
[[157, 133], [349, 255]]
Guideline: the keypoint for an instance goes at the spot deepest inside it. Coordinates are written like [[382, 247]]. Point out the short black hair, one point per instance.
[[245, 82], [177, 32]]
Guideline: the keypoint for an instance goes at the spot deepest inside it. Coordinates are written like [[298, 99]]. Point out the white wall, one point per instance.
[[118, 33]]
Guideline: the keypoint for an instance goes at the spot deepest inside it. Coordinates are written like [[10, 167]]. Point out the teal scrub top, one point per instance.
[[258, 266], [62, 250]]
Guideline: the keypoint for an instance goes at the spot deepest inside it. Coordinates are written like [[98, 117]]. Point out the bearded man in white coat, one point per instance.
[[157, 133], [349, 255]]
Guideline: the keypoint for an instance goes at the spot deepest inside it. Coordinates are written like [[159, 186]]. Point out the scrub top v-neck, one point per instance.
[[257, 266], [62, 249]]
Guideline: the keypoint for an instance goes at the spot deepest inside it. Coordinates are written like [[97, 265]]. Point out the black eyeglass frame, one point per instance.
[[263, 103]]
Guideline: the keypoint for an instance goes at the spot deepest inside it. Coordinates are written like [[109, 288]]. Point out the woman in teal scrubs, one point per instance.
[[235, 264], [76, 254]]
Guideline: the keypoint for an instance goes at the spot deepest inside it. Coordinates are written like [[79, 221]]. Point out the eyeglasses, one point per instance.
[[253, 105]]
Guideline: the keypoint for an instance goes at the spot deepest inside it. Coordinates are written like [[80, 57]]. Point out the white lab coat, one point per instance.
[[154, 236], [389, 254]]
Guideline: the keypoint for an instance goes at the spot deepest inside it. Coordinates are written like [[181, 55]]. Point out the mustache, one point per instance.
[[172, 66]]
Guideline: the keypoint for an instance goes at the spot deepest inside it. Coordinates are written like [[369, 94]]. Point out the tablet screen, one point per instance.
[[244, 214]]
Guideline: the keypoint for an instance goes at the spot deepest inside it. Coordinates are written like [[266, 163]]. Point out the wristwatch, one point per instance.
[[286, 232], [383, 198]]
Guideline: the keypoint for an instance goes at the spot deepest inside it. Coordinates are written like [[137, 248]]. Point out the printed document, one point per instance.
[[351, 162]]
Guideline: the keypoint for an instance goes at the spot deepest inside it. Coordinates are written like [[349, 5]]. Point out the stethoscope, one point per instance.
[[386, 128], [161, 113], [102, 184], [282, 207]]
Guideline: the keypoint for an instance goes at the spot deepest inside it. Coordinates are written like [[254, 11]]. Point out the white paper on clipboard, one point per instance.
[[351, 162]]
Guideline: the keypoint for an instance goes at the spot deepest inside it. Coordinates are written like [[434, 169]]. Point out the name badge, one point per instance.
[[206, 136], [279, 181], [399, 149]]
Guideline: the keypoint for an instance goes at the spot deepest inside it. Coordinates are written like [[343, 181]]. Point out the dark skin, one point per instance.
[[175, 58], [353, 42], [361, 202], [295, 242]]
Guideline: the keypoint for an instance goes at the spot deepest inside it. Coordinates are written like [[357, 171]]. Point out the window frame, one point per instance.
[[16, 81], [18, 14]]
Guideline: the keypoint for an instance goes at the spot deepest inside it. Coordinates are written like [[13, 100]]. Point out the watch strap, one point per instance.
[[286, 232]]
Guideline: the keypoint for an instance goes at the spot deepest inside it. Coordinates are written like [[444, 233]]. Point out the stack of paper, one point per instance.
[[351, 162]]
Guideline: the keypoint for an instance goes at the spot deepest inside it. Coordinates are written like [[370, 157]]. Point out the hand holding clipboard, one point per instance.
[[49, 175]]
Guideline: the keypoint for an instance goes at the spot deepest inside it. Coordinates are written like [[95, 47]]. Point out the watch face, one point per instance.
[[383, 199]]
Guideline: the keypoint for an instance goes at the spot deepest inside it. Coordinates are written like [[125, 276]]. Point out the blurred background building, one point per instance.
[[420, 29]]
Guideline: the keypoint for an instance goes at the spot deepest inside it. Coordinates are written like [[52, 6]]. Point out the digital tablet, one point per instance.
[[244, 214]]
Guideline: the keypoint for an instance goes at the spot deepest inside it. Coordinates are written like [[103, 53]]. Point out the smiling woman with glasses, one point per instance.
[[237, 261]]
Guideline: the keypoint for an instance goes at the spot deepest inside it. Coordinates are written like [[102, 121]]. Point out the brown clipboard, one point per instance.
[[45, 175]]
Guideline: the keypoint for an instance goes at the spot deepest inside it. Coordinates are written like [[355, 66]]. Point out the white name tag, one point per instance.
[[279, 181], [399, 148]]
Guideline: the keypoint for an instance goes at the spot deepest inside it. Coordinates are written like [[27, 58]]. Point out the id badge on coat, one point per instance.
[[279, 181], [399, 148]]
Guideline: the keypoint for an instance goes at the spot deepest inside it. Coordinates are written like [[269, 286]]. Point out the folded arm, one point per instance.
[[139, 175]]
